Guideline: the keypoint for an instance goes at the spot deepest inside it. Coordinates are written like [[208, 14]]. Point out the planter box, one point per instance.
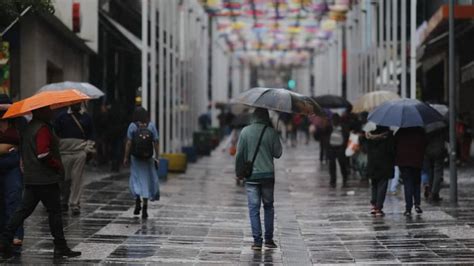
[[177, 162]]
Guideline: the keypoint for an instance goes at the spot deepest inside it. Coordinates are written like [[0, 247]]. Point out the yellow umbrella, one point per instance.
[[371, 100]]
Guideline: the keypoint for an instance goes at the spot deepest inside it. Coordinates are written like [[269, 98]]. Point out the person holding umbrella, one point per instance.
[[380, 166], [259, 144], [411, 116], [259, 139], [42, 170], [75, 130], [410, 146], [42, 167]]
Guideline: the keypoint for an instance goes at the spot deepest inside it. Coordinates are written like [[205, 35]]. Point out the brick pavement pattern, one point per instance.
[[202, 219]]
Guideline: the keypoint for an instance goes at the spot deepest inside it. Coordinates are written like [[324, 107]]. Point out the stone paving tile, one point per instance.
[[202, 219]]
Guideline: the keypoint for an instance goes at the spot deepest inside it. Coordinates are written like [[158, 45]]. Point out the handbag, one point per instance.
[[247, 168]]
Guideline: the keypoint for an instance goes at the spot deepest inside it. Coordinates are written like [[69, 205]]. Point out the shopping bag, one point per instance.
[[352, 145]]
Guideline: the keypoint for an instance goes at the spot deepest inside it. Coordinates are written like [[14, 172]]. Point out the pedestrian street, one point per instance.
[[202, 219]]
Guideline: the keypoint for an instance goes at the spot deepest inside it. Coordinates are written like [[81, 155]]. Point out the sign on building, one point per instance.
[[4, 68]]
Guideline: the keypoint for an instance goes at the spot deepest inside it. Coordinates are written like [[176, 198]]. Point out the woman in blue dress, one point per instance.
[[142, 140]]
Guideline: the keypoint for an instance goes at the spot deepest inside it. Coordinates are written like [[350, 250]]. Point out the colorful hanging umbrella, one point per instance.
[[54, 99]]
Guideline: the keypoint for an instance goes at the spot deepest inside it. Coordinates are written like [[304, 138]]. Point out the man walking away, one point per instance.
[[42, 172], [336, 150], [260, 185], [410, 150]]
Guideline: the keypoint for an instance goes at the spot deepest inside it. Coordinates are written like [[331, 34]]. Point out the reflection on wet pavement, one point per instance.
[[202, 219]]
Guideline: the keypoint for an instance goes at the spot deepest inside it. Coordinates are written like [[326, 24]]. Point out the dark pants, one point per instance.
[[11, 189], [412, 185], [322, 150], [256, 194], [434, 168], [49, 195], [337, 153], [379, 191]]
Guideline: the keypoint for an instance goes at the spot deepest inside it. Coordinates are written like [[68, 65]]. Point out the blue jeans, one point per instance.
[[256, 193], [393, 183], [11, 181]]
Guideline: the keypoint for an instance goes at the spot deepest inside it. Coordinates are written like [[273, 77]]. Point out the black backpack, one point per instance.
[[142, 142]]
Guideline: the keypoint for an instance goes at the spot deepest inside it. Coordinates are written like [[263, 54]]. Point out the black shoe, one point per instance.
[[138, 208], [256, 246], [418, 210], [270, 244], [144, 212], [435, 198], [407, 213], [76, 210], [66, 253]]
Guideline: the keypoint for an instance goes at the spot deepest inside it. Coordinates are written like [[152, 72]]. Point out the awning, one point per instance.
[[438, 23], [126, 33]]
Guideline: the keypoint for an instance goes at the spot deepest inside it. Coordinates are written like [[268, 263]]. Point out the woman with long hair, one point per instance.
[[142, 141]]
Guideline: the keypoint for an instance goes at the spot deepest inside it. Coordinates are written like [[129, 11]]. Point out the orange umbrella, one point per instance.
[[54, 99]]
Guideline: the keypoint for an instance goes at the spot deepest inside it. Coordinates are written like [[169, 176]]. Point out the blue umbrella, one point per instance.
[[404, 113]]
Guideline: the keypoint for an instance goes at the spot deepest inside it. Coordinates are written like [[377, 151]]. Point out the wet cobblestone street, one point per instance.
[[202, 219]]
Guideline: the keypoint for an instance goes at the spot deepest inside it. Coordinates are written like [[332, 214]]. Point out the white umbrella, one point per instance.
[[84, 87], [369, 101]]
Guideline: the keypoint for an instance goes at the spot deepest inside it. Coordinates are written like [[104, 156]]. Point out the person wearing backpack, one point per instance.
[[258, 145], [336, 150], [141, 145]]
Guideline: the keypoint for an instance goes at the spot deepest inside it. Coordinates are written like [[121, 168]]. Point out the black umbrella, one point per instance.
[[332, 101]]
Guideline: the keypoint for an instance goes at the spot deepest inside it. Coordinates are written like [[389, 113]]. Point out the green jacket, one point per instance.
[[270, 147]]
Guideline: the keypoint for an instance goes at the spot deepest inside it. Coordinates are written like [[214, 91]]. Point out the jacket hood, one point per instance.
[[261, 116]]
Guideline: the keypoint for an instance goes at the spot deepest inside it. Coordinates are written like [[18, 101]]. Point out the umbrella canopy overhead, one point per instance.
[[281, 100], [404, 113], [84, 87], [332, 101], [276, 32], [369, 101], [54, 99]]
